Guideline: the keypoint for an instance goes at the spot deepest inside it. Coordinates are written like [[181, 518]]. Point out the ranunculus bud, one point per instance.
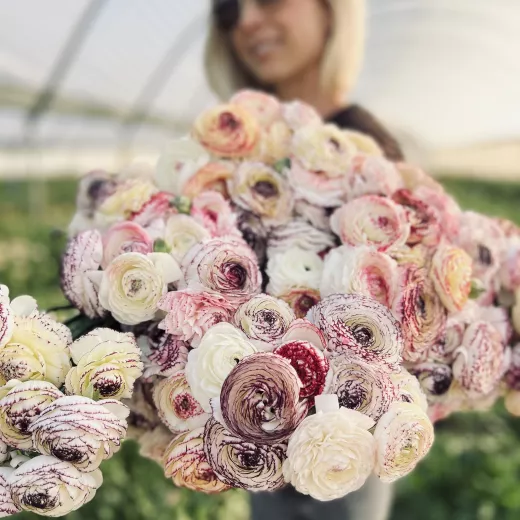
[[79, 430], [420, 312], [177, 407], [242, 464], [451, 274], [81, 260], [191, 313], [297, 114], [479, 364], [107, 364], [19, 408], [51, 487], [330, 454], [185, 463], [404, 435], [265, 108], [221, 348], [364, 387], [226, 266], [262, 190], [227, 131], [259, 400], [360, 270], [264, 320], [132, 285], [360, 326], [373, 221]]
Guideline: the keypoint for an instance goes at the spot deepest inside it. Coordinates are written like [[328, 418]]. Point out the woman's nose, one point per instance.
[[251, 16]]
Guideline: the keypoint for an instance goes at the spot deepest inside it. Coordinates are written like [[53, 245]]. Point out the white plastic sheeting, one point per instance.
[[440, 72]]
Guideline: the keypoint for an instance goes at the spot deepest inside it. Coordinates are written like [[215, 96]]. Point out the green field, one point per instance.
[[472, 473]]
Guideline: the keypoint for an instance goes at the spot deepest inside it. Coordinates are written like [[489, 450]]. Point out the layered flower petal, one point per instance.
[[125, 237]]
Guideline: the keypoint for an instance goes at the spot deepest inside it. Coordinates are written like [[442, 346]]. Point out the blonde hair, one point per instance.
[[341, 62]]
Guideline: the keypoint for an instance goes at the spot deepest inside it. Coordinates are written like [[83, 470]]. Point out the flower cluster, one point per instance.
[[303, 308], [60, 413]]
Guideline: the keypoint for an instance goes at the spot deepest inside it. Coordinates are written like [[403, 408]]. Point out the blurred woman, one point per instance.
[[309, 50]]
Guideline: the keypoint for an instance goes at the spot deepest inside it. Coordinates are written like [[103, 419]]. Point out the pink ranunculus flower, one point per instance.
[[424, 221], [226, 266], [371, 175], [227, 131], [297, 114], [373, 221], [479, 364], [190, 313], [451, 273], [214, 212], [125, 237], [158, 207], [509, 272], [265, 108], [360, 270]]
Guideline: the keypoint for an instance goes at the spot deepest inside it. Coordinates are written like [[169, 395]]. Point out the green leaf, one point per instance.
[[476, 289], [183, 204], [160, 246], [281, 165]]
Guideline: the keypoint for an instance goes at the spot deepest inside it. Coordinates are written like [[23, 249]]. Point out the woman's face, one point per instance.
[[276, 40]]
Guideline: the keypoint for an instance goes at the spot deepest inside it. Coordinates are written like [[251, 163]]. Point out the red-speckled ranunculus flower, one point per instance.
[[373, 221], [360, 326], [241, 464], [226, 266], [186, 464], [227, 131], [420, 312]]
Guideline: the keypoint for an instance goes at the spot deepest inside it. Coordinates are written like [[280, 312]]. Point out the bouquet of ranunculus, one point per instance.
[[304, 308], [60, 413]]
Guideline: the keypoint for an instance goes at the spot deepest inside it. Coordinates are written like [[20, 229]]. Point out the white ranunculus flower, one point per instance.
[[51, 487], [38, 348], [292, 269], [359, 270], [7, 506], [403, 435], [177, 407], [220, 349], [133, 283], [181, 233], [6, 316], [107, 365], [181, 159], [79, 430], [20, 406], [330, 454]]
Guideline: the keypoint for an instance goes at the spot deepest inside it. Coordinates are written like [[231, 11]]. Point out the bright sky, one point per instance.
[[444, 72]]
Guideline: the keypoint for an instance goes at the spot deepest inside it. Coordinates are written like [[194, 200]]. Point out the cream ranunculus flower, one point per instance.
[[37, 350], [177, 407], [294, 268], [51, 487], [330, 454], [20, 407], [133, 283], [7, 506], [79, 430], [404, 435], [186, 464], [181, 233], [409, 389], [107, 364], [221, 348]]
